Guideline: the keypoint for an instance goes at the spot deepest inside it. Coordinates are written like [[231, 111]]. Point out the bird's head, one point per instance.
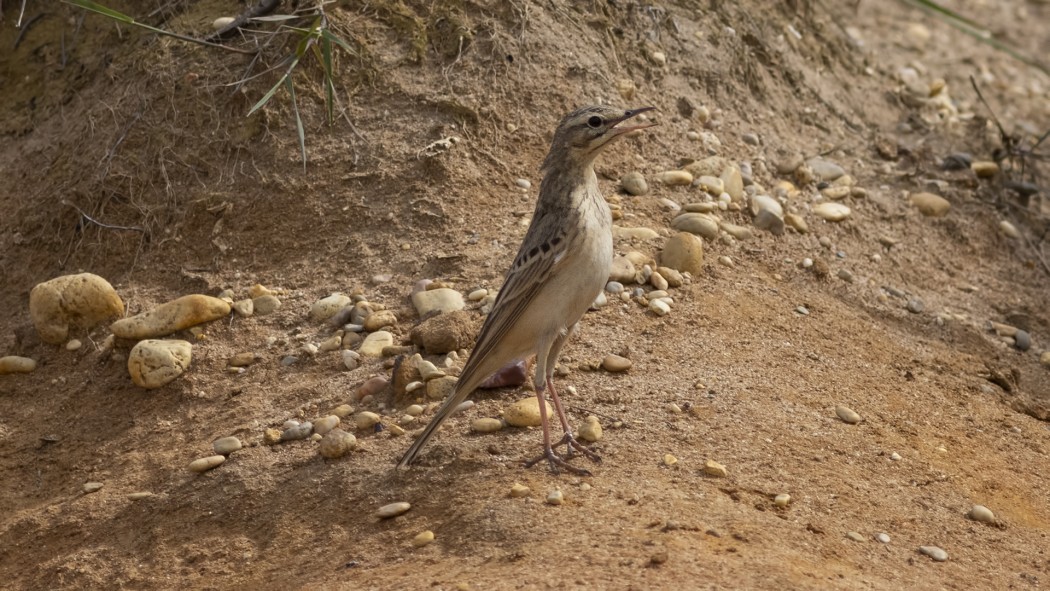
[[582, 134]]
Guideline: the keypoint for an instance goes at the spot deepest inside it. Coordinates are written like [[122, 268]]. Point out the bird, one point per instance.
[[561, 267]]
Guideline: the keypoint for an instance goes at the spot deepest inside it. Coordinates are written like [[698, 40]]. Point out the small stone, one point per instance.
[[414, 410], [657, 281], [343, 410], [738, 232], [622, 270], [930, 205], [670, 460], [326, 307], [374, 343], [591, 429], [883, 538], [847, 415], [711, 185], [518, 491], [615, 364], [713, 468], [1022, 340], [523, 183], [845, 275], [428, 371], [72, 302], [1044, 359], [825, 170], [380, 319], [423, 538], [797, 222], [442, 299], [634, 183], [139, 496], [982, 514], [675, 178], [733, 183], [700, 224], [336, 444], [205, 464], [673, 277], [222, 22], [266, 304], [440, 388], [856, 537], [173, 316], [896, 457], [73, 345], [782, 500], [614, 287], [683, 252], [477, 295], [1009, 230], [832, 212], [90, 487], [226, 445], [555, 497], [525, 412], [985, 169], [244, 308], [934, 552], [153, 363], [351, 359], [297, 432], [271, 436], [486, 425], [326, 424], [366, 420], [770, 222], [659, 307], [393, 510], [15, 364], [915, 306]]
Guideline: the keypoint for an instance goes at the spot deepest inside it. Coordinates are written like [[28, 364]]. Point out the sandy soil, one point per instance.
[[142, 132]]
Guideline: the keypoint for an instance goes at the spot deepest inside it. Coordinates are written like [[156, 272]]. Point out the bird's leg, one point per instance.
[[568, 440], [553, 459]]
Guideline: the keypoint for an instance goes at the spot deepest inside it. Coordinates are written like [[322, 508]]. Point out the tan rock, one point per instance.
[[72, 302], [675, 177], [700, 224], [831, 211], [526, 413], [336, 444], [265, 304], [326, 307], [733, 182], [374, 343], [153, 363], [442, 299], [14, 364], [930, 205], [446, 332], [379, 319], [984, 169], [683, 252], [205, 464], [439, 388], [170, 317], [622, 270], [710, 166]]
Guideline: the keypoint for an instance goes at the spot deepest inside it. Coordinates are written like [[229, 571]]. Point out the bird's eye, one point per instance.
[[595, 122]]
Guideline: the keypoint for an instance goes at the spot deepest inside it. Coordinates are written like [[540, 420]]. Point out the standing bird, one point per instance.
[[561, 267]]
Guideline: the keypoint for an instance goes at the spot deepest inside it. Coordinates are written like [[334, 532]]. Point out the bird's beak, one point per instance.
[[629, 128]]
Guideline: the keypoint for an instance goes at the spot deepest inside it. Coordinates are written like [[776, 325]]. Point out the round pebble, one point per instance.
[[1022, 340], [90, 487], [847, 415], [486, 425], [634, 183], [523, 183], [591, 429], [555, 497], [343, 410], [615, 364], [782, 500], [525, 412], [366, 420], [205, 464], [393, 510], [477, 295], [934, 552], [423, 538], [856, 537], [226, 445], [982, 514], [326, 424], [73, 345], [670, 460], [831, 211], [336, 444], [883, 537], [519, 490], [660, 308], [896, 457], [1009, 230], [138, 496], [713, 468], [297, 432], [915, 306]]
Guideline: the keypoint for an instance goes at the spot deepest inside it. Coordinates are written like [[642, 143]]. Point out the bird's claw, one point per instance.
[[555, 462], [572, 446]]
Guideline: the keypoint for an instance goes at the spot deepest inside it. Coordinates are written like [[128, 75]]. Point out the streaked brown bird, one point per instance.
[[561, 267]]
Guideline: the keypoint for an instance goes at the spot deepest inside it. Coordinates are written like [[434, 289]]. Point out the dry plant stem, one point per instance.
[[101, 224]]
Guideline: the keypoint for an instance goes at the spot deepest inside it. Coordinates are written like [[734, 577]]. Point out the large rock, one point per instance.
[[325, 308], [153, 363], [72, 302], [683, 252], [173, 316], [446, 332], [442, 299]]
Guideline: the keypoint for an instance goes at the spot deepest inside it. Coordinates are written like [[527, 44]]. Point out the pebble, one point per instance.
[[1022, 340], [329, 306], [845, 275], [883, 537], [1009, 230], [265, 304], [442, 299], [486, 425], [440, 388], [825, 170], [448, 331], [782, 500], [519, 490], [380, 319], [525, 412], [153, 363], [326, 424], [423, 538], [659, 307], [675, 177], [343, 410], [222, 22], [930, 205], [138, 496], [896, 457], [847, 415], [934, 552], [634, 233], [836, 193], [797, 222], [591, 429], [733, 182], [555, 497], [856, 537], [683, 252], [90, 487], [429, 371], [738, 232], [700, 224], [1044, 359], [982, 514], [657, 280], [16, 364], [985, 169], [336, 444], [297, 431], [523, 183], [242, 359], [366, 420], [414, 410], [72, 302], [271, 436], [173, 316], [393, 510], [725, 261], [205, 464], [713, 468], [634, 183], [802, 310], [770, 222], [374, 343], [226, 445], [670, 460], [73, 345], [674, 278], [615, 364], [750, 138], [711, 185], [915, 306], [614, 287], [832, 212], [244, 308], [701, 207]]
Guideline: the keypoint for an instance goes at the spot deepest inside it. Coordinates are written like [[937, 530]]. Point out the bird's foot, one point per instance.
[[556, 461], [572, 446]]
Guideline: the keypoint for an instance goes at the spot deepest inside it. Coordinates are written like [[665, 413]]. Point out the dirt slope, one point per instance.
[[142, 134]]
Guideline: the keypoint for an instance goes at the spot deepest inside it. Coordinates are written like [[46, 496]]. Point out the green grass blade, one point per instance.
[[98, 8], [332, 37], [298, 121], [329, 78], [273, 90]]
